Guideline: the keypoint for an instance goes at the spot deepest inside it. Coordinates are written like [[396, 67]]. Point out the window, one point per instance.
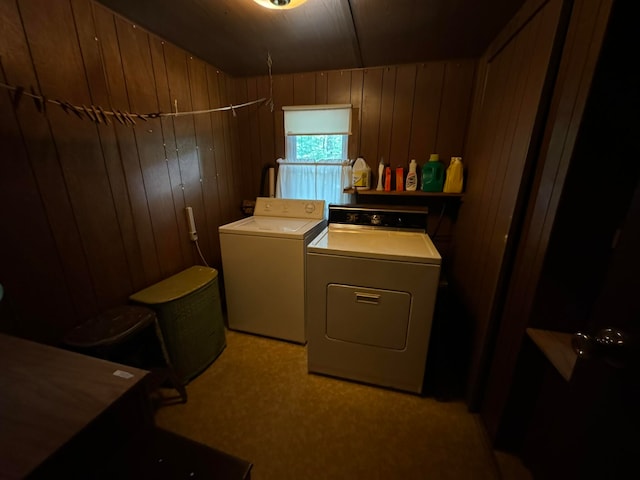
[[316, 165]]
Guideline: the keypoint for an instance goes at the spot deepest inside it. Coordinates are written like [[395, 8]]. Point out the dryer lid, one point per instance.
[[376, 243]]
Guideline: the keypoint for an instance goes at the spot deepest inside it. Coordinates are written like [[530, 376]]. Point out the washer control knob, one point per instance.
[[376, 219], [309, 208]]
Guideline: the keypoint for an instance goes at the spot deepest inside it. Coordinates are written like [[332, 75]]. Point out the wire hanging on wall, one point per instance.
[[269, 64], [97, 114]]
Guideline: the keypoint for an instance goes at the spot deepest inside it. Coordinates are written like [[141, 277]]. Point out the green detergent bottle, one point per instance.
[[433, 174]]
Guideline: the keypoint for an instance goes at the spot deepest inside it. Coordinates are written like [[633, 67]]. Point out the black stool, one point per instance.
[[128, 334]]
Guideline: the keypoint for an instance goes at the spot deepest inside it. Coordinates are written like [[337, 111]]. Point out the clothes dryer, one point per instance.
[[372, 280]]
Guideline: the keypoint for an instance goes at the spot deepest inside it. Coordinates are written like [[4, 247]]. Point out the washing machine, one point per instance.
[[372, 280], [264, 266]]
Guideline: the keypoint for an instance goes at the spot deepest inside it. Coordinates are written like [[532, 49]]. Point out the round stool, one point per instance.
[[128, 334]]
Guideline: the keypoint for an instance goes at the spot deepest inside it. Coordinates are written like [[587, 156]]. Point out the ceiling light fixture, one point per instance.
[[280, 4]]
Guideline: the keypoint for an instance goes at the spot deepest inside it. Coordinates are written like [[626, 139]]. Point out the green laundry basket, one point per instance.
[[190, 317]]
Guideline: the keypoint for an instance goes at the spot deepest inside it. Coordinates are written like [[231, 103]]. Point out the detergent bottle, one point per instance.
[[380, 186], [361, 174], [412, 177], [433, 174], [387, 178], [453, 180]]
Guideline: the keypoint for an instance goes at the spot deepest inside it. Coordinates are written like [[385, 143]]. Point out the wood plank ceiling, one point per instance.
[[237, 36]]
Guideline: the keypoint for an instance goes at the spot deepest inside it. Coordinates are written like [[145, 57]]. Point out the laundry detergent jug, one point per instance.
[[433, 174], [453, 180], [361, 174]]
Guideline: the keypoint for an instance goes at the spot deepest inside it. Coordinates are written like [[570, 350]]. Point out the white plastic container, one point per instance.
[[412, 177], [361, 175], [380, 186]]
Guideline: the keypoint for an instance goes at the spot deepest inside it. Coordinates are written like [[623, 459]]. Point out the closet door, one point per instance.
[[509, 108]]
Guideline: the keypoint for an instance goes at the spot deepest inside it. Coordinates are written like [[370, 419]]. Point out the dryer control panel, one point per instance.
[[289, 208], [413, 218]]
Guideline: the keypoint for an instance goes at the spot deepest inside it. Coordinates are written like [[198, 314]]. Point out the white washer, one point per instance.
[[372, 280], [263, 266]]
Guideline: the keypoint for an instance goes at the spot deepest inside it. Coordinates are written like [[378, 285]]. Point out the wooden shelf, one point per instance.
[[404, 193]]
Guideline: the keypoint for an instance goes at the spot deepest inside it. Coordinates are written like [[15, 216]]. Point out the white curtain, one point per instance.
[[314, 181]]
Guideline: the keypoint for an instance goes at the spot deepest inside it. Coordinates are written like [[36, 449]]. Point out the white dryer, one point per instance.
[[372, 279], [264, 265]]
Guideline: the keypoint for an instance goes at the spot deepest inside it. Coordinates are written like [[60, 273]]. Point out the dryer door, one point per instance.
[[368, 316]]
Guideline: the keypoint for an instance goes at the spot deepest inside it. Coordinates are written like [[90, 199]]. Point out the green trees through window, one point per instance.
[[320, 147]]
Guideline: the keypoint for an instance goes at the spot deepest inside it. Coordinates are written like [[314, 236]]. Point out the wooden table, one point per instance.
[[53, 400], [67, 415]]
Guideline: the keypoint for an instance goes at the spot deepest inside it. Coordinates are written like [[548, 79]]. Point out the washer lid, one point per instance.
[[272, 226], [377, 243]]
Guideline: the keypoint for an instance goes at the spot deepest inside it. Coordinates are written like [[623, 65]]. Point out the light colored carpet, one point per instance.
[[257, 402]]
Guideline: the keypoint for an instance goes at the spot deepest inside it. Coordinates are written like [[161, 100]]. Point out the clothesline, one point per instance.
[[98, 114]]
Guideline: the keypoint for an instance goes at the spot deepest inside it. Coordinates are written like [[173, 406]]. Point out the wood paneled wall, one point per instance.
[[506, 120], [91, 212], [399, 112]]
